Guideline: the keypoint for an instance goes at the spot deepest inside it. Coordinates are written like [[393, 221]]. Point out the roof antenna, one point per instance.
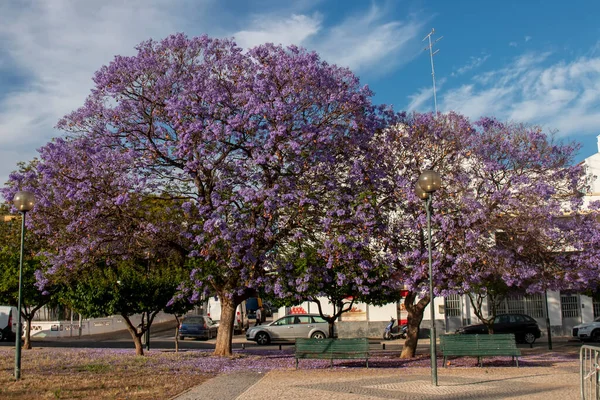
[[431, 54]]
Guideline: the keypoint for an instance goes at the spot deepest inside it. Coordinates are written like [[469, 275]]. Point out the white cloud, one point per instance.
[[474, 62], [425, 94], [417, 100], [527, 38], [371, 41], [57, 45], [595, 50], [269, 28], [513, 44], [559, 95], [467, 100]]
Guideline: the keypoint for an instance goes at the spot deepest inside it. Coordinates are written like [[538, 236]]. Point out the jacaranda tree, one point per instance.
[[537, 227], [499, 180], [245, 141], [345, 261]]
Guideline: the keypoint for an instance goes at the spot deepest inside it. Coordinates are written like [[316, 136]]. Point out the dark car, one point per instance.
[[198, 327], [525, 328]]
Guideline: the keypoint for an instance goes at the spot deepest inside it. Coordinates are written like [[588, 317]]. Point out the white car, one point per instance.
[[289, 328], [588, 330], [8, 323]]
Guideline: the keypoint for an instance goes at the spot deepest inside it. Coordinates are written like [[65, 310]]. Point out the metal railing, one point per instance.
[[589, 357]]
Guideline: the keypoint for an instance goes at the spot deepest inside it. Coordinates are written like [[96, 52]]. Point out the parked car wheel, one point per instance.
[[1, 336], [181, 337], [318, 335], [596, 335], [529, 338], [263, 338]]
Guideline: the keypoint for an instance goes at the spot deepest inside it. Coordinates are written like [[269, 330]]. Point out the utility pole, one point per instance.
[[431, 54]]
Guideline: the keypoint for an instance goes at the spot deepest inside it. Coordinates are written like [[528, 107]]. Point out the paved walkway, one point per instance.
[[559, 382], [554, 381]]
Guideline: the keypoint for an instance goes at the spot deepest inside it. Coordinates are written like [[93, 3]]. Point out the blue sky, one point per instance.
[[525, 60]]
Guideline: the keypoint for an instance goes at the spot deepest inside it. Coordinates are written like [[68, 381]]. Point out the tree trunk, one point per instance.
[[136, 335], [177, 333], [28, 314], [477, 303], [27, 341], [331, 331], [415, 316], [338, 309], [225, 333], [137, 341]]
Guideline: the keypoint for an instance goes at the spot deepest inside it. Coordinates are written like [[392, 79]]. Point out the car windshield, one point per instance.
[[529, 319], [193, 320]]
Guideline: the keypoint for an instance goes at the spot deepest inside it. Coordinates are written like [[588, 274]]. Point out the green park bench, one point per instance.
[[332, 349], [479, 346]]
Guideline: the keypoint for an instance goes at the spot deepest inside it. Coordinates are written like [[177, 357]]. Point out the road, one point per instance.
[[162, 336]]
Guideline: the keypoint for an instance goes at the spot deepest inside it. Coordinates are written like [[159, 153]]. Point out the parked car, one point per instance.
[[289, 328], [8, 323], [588, 330], [198, 327], [524, 327]]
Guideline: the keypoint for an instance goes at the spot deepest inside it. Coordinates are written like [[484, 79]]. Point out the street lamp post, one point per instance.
[[23, 201], [549, 329], [428, 183]]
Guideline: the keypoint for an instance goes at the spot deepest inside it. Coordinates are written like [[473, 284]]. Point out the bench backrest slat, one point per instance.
[[475, 342], [332, 345]]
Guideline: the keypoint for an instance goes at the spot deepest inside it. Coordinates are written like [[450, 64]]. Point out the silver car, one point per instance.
[[289, 328]]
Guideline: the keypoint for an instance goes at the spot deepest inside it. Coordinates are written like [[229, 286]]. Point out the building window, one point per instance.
[[569, 306], [452, 307], [532, 305], [596, 308], [515, 304]]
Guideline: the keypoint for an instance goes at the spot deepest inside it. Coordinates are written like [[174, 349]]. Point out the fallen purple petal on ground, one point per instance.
[[200, 362]]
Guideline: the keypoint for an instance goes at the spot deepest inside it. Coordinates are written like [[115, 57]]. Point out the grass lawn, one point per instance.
[[54, 373]]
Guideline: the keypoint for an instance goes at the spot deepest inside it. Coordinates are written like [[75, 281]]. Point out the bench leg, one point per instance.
[[480, 362], [296, 363], [517, 362], [331, 363], [367, 362], [444, 361]]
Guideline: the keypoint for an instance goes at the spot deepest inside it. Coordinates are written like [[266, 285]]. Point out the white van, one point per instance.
[[213, 310], [8, 322]]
